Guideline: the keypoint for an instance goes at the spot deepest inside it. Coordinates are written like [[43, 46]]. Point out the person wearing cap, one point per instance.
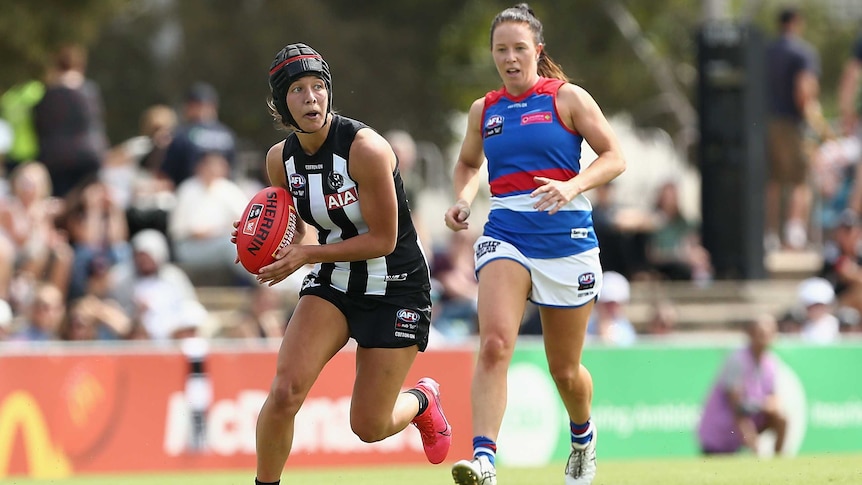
[[370, 280], [842, 260], [150, 287], [743, 403], [201, 132], [817, 296], [539, 243], [609, 322]]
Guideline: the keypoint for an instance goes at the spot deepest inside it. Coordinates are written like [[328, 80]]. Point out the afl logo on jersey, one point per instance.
[[493, 126], [335, 180], [298, 185]]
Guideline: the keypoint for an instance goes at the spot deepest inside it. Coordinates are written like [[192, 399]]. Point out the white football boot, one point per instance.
[[478, 471], [581, 467]]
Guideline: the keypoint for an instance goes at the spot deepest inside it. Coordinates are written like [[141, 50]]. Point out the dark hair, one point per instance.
[[524, 14], [291, 63], [787, 15]]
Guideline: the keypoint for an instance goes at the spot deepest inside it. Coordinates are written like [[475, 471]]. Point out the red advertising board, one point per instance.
[[85, 411]]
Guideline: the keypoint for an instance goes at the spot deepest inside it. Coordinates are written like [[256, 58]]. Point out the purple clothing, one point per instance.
[[717, 431]]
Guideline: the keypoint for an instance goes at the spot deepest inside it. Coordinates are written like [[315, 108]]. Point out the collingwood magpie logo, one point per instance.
[[335, 180]]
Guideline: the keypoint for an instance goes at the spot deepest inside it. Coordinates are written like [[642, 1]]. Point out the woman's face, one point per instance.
[[515, 55], [307, 101]]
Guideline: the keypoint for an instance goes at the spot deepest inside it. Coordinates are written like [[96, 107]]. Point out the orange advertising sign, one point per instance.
[[90, 412]]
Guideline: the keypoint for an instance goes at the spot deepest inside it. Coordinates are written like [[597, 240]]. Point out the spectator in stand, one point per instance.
[[842, 260], [90, 318], [200, 133], [609, 322], [16, 108], [453, 277], [664, 319], [265, 316], [674, 249], [793, 72], [28, 220], [151, 289], [621, 231], [207, 204], [44, 315], [742, 403], [820, 325], [848, 90], [69, 122], [97, 228]]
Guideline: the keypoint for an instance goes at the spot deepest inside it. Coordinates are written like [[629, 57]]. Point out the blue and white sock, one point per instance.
[[581, 433], [484, 446]]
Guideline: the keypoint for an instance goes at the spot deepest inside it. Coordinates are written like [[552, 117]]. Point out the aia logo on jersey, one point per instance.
[[533, 118], [250, 224], [298, 185], [341, 199], [586, 281], [494, 126], [335, 180]]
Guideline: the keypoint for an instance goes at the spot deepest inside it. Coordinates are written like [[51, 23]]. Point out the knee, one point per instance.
[[566, 376], [367, 430], [495, 349], [287, 395]]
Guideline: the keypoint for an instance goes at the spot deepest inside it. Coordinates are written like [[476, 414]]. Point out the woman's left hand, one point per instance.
[[555, 194]]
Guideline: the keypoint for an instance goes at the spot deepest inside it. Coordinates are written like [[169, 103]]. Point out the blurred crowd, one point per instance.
[[113, 241]]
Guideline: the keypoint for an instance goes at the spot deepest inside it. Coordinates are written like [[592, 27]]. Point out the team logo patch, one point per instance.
[[335, 180], [406, 323], [532, 118], [298, 185], [493, 126], [250, 225], [486, 247], [586, 281]]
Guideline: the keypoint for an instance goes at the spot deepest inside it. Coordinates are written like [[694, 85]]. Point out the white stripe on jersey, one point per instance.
[[525, 203]]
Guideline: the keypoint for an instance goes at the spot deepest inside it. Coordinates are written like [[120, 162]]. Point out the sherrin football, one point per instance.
[[268, 223]]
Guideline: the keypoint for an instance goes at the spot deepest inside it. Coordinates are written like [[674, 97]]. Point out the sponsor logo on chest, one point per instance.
[[341, 199]]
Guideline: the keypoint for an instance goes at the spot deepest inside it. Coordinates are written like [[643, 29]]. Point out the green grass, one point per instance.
[[808, 470]]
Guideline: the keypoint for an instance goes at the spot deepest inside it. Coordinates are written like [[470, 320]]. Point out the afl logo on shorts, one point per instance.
[[297, 184], [494, 126], [408, 316], [586, 281]]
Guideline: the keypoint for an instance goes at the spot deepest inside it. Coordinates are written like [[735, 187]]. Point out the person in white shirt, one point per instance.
[[207, 204], [821, 326]]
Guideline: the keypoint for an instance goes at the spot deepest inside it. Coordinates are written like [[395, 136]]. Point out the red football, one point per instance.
[[267, 224]]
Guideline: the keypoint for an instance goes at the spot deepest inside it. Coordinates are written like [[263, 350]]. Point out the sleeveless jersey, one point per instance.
[[524, 137], [327, 198]]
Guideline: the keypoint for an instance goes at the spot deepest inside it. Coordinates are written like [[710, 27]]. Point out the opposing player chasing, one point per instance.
[[539, 243], [370, 281]]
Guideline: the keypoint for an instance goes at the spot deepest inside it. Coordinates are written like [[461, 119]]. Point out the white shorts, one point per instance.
[[571, 281]]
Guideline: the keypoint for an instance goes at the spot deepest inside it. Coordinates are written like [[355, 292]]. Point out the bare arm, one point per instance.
[[580, 112], [806, 95], [848, 90], [465, 178]]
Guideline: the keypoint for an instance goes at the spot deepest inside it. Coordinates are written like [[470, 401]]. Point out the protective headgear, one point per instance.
[[290, 64]]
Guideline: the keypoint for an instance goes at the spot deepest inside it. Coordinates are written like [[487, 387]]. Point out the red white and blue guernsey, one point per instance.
[[523, 137]]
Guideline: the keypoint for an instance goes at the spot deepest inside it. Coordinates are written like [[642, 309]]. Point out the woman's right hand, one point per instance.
[[456, 216]]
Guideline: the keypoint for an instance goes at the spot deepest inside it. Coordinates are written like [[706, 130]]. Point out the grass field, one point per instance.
[[809, 470]]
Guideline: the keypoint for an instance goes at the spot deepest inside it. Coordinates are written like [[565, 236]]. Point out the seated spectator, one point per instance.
[[200, 224], [151, 289], [842, 260], [456, 288], [28, 221], [743, 403], [663, 320], [265, 316], [820, 325], [44, 315], [97, 229], [90, 318], [622, 233], [609, 322], [673, 248]]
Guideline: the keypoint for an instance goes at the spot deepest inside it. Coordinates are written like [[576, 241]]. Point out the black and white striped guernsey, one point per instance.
[[327, 198]]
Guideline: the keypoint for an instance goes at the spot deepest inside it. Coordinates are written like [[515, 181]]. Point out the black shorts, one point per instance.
[[389, 322]]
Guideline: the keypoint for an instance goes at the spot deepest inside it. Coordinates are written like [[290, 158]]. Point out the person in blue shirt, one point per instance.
[[539, 243]]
